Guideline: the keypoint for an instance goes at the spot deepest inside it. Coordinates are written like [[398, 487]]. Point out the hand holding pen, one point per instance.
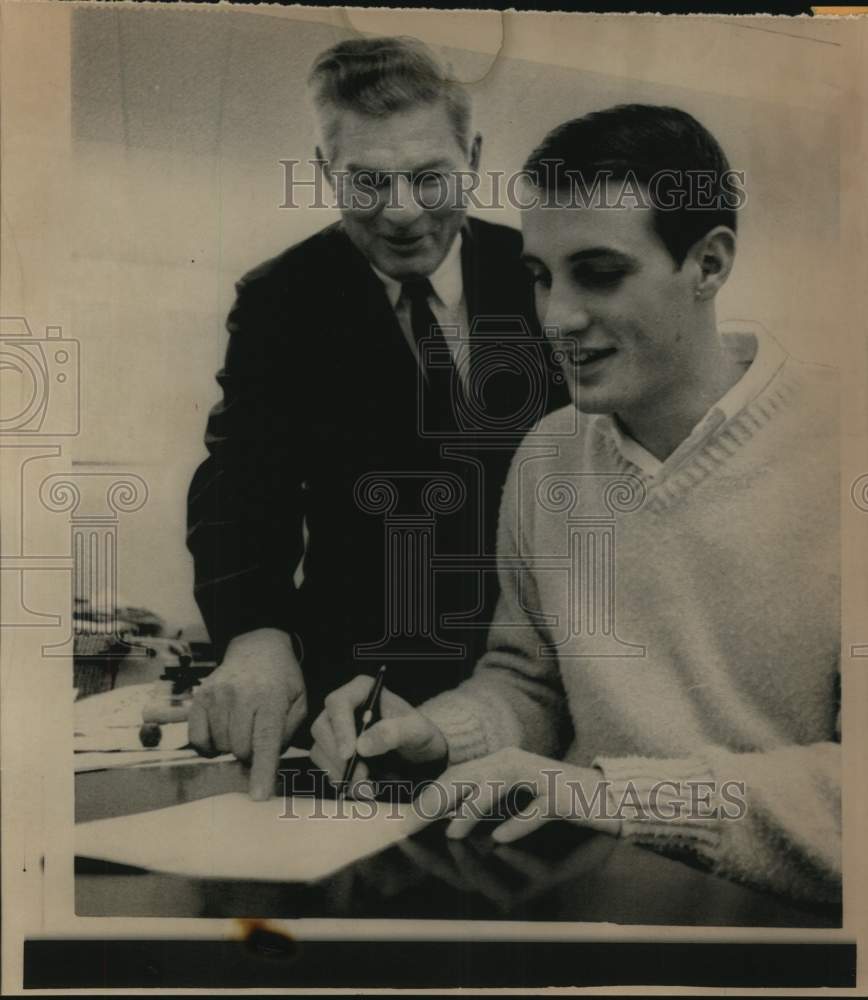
[[400, 728], [372, 706]]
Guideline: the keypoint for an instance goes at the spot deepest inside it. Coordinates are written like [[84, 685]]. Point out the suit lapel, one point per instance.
[[370, 320]]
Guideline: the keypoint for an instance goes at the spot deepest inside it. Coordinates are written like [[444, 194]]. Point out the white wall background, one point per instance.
[[170, 187]]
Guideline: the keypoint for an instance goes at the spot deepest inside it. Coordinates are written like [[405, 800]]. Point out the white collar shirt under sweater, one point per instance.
[[679, 627], [760, 358]]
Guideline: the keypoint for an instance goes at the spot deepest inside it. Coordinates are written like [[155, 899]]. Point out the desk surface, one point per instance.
[[560, 873]]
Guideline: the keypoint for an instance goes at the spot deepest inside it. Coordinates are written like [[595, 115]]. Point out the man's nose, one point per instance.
[[402, 207], [565, 312]]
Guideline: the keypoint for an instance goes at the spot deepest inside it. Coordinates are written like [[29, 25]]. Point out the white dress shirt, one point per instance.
[[447, 303], [760, 357]]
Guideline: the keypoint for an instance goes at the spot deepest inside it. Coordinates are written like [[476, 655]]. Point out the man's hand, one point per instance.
[[474, 789], [401, 728], [251, 705]]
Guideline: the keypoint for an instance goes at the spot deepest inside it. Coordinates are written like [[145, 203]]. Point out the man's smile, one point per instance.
[[404, 244], [592, 355], [584, 360]]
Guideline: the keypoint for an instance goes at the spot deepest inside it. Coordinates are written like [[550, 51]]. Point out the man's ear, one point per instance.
[[323, 165], [713, 257], [475, 156]]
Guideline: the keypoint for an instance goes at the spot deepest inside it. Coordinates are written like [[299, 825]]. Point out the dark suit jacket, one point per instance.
[[319, 425]]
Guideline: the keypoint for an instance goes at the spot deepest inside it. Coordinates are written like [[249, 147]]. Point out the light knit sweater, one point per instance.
[[717, 656]]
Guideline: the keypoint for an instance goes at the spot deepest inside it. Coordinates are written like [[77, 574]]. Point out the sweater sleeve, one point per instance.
[[770, 819], [514, 697]]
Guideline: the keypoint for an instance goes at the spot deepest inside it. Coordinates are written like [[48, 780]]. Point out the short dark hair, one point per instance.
[[643, 141], [379, 76]]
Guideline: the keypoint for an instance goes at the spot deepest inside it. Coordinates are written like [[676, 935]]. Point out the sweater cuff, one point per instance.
[[454, 714], [664, 803]]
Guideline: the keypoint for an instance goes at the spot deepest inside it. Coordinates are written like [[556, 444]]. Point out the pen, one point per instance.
[[367, 719]]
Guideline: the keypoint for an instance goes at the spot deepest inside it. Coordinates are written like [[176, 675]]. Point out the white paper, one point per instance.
[[173, 736], [156, 757], [120, 707], [233, 837], [99, 760], [111, 721]]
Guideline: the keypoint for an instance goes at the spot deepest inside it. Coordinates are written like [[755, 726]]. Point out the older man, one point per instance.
[[375, 387]]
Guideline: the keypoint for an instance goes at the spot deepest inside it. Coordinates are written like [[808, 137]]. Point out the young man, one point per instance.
[[700, 712], [335, 419]]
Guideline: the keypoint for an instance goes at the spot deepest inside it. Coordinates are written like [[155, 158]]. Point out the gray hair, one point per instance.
[[379, 76]]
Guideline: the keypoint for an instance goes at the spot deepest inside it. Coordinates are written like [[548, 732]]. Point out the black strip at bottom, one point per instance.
[[269, 959]]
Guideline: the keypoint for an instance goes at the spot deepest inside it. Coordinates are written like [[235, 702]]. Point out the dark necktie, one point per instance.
[[435, 358]]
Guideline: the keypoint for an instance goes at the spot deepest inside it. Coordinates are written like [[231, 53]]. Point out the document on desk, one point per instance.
[[233, 837], [114, 739], [157, 757]]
